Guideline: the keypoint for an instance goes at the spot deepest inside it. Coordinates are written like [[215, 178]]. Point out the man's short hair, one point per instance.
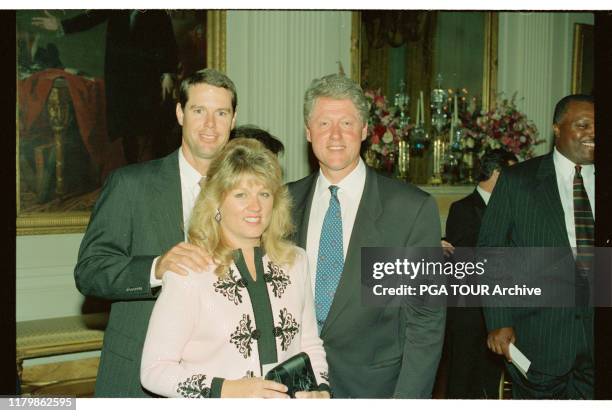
[[561, 107], [492, 160], [337, 87], [250, 131], [211, 77]]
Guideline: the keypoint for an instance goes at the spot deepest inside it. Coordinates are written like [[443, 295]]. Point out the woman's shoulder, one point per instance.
[[299, 264], [300, 254], [192, 280], [298, 259]]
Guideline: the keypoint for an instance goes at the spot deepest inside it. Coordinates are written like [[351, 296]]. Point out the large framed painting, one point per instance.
[[96, 90], [582, 60], [422, 48]]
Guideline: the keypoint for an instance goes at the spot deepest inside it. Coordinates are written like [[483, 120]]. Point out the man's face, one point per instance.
[[575, 133], [336, 132], [207, 120]]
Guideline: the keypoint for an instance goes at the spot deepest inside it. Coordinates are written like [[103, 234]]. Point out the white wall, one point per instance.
[[535, 60], [272, 56], [45, 282]]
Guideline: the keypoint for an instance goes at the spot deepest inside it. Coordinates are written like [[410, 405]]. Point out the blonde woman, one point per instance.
[[211, 333]]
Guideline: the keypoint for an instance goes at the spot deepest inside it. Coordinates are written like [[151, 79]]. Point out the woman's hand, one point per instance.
[[254, 387], [312, 395]]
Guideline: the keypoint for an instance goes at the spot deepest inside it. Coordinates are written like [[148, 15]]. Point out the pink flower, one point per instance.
[[379, 130], [379, 101]]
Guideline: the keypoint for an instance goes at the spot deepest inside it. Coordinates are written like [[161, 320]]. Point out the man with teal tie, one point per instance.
[[373, 352], [549, 201]]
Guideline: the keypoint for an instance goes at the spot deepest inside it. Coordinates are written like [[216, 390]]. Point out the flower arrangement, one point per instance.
[[385, 130], [502, 127]]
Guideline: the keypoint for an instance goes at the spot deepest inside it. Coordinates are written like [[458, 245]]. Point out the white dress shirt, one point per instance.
[[350, 190], [190, 189], [565, 170], [484, 194]]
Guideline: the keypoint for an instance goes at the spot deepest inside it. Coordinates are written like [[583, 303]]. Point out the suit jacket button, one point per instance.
[[256, 334]]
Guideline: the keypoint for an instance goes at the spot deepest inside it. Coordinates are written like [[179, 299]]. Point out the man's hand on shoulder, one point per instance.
[[499, 341], [181, 257]]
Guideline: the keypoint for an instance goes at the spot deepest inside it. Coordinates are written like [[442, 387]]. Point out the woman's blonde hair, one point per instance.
[[238, 158]]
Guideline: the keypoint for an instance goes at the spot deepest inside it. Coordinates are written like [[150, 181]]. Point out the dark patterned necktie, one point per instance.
[[585, 237], [330, 261]]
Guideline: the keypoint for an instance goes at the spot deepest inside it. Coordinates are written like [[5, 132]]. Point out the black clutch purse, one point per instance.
[[295, 373]]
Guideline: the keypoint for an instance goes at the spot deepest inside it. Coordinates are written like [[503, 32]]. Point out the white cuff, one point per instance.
[[155, 282]]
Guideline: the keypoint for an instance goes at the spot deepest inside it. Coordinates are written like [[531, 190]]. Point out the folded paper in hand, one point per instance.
[[519, 360], [296, 373]]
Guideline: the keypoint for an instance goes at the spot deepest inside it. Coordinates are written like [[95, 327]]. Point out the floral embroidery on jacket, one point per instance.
[[242, 337], [277, 278], [194, 387], [324, 376], [230, 287], [287, 328]]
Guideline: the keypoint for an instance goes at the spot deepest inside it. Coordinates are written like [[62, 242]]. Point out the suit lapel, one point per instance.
[[478, 204], [301, 208], [553, 210], [364, 234], [168, 199]]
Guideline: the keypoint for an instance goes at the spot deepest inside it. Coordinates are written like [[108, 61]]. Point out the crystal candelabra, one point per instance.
[[438, 122], [401, 101], [438, 114], [419, 139]]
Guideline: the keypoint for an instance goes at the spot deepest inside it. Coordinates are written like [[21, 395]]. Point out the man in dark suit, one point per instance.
[[138, 228], [548, 201], [373, 352], [473, 371], [140, 63]]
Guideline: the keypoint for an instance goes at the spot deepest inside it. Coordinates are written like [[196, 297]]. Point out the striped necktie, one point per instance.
[[585, 237], [330, 260]]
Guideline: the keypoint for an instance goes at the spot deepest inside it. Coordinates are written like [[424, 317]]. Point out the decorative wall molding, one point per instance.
[[45, 285], [215, 34]]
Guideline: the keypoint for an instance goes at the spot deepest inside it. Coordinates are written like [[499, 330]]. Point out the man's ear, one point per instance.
[[179, 113], [556, 130], [307, 134], [364, 132], [234, 119]]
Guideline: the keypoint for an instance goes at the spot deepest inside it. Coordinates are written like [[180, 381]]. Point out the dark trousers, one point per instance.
[[473, 371], [577, 384]]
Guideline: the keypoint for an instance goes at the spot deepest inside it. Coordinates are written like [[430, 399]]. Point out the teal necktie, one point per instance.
[[330, 260]]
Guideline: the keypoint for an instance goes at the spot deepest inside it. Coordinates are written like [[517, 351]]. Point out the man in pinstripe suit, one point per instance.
[[533, 206]]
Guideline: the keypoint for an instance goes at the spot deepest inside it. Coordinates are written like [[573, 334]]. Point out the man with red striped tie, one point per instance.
[[549, 201]]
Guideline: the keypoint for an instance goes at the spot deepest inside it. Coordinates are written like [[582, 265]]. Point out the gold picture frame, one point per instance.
[[68, 220], [582, 59], [490, 55]]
